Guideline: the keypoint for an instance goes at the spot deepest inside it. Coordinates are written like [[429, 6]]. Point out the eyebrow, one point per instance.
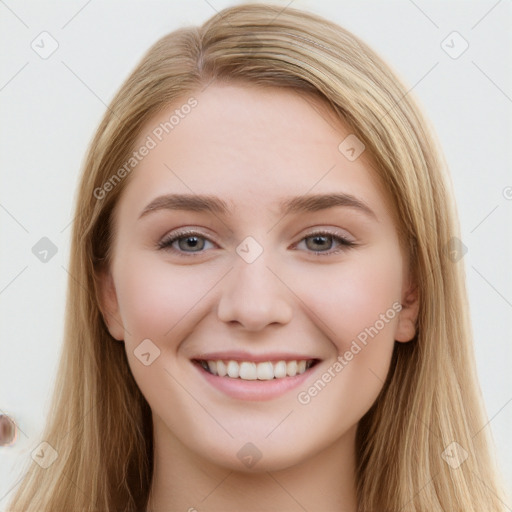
[[299, 204]]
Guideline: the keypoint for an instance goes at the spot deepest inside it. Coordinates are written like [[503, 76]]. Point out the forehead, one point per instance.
[[250, 146]]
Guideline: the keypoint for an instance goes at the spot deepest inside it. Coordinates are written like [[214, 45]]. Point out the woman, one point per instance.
[[215, 359]]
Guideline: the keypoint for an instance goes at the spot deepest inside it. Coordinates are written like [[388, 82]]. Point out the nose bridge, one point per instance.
[[251, 294]]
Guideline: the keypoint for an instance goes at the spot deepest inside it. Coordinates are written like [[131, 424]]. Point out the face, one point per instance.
[[298, 300]]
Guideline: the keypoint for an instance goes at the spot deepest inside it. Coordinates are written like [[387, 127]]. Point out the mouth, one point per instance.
[[261, 379], [252, 371]]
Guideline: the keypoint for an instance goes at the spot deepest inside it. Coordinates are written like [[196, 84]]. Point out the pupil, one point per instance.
[[190, 242], [320, 240]]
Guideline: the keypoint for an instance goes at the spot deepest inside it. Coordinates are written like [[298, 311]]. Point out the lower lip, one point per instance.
[[254, 389]]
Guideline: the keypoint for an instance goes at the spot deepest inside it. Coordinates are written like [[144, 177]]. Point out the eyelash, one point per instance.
[[166, 243]]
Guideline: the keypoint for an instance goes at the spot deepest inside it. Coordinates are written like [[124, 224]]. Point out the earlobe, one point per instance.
[[109, 305], [406, 327]]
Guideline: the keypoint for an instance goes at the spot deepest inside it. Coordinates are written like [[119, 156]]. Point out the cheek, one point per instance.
[[358, 304], [155, 296], [359, 315], [353, 295], [163, 303]]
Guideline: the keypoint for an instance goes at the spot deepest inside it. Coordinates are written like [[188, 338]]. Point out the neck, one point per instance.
[[185, 481]]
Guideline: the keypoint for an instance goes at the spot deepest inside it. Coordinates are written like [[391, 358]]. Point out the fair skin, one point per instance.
[[252, 148]]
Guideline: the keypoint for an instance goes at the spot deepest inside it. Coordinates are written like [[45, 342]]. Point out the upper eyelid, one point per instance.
[[187, 232], [178, 233]]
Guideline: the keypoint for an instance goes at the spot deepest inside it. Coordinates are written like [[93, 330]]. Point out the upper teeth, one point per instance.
[[247, 370]]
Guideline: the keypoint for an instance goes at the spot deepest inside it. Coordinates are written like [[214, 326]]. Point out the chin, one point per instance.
[[257, 457]]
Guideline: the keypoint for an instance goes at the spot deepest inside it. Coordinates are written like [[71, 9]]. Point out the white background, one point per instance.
[[51, 107]]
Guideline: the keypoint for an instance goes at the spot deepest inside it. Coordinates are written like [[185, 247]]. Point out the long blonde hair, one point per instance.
[[100, 423]]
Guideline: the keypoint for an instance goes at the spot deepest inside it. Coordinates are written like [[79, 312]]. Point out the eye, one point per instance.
[[321, 241], [185, 240], [191, 243]]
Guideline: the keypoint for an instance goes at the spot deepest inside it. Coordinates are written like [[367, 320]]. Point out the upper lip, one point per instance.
[[241, 355]]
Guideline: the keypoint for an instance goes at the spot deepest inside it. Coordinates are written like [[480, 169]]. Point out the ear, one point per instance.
[[406, 327], [109, 306]]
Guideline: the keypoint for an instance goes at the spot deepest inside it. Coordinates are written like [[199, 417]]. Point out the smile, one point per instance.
[[248, 380], [248, 370]]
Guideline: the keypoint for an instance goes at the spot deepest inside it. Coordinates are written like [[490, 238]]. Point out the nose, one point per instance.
[[254, 297]]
